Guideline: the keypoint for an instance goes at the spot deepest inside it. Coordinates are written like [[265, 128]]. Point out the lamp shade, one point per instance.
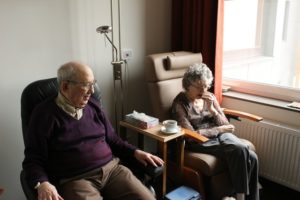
[[104, 29]]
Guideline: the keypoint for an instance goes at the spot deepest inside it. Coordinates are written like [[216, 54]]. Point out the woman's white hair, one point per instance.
[[196, 72]]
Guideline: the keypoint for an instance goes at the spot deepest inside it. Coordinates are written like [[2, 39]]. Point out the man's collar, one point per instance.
[[64, 104]]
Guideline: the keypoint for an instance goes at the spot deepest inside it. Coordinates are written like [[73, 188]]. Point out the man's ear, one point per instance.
[[64, 86]]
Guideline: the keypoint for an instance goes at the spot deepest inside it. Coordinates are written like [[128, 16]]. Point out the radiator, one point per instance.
[[278, 150]]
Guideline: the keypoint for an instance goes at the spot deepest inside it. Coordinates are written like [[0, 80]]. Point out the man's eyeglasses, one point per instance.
[[84, 85]]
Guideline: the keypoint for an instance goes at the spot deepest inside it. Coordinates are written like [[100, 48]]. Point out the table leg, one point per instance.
[[164, 181], [123, 133], [180, 160], [141, 141]]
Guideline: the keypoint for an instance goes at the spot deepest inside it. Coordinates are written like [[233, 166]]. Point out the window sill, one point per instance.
[[261, 100], [246, 61], [281, 93]]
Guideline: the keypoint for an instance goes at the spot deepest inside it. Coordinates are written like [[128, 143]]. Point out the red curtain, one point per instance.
[[197, 26]]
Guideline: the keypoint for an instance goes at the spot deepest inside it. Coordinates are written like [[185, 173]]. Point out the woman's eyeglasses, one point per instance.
[[201, 86]]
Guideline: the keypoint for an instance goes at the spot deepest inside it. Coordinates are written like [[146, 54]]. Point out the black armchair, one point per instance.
[[38, 91]]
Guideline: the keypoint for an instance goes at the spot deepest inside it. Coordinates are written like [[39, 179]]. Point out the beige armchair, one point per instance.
[[203, 172]]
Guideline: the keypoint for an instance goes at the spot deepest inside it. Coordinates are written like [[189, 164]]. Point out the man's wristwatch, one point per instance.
[[37, 185]]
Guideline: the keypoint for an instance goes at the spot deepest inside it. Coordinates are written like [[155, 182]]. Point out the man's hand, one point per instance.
[[146, 158], [47, 191]]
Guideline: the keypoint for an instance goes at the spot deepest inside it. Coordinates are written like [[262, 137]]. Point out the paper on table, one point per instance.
[[141, 120], [140, 116]]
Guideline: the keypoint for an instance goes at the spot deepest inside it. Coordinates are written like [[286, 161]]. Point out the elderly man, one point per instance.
[[72, 145]]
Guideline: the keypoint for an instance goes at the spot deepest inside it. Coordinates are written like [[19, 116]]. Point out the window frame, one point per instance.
[[283, 93], [264, 90], [257, 50]]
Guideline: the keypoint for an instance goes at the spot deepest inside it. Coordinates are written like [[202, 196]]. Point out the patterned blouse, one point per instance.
[[188, 116]]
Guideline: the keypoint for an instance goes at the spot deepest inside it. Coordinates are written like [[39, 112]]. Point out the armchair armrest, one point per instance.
[[194, 135], [237, 114], [228, 112], [139, 169], [152, 171]]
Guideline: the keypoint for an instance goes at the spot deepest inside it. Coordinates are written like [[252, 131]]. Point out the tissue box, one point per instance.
[[183, 193], [141, 122]]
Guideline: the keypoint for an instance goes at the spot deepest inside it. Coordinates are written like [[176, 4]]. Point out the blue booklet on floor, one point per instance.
[[183, 193]]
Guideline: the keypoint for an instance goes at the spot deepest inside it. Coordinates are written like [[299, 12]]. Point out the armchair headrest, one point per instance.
[[164, 66]]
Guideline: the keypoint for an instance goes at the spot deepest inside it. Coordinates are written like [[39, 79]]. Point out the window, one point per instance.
[[262, 47]]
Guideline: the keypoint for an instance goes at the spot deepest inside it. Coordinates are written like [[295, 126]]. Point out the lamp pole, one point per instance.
[[117, 75]]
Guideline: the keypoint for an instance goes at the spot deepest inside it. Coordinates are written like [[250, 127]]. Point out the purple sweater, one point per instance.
[[61, 147]]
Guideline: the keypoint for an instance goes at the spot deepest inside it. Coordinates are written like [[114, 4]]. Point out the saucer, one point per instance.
[[163, 130]]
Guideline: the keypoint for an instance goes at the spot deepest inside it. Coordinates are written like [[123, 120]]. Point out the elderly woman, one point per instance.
[[197, 109]]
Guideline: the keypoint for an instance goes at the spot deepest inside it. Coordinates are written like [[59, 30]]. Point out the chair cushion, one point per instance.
[[207, 164], [167, 91]]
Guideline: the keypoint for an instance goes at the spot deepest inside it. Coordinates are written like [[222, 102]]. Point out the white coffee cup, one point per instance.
[[170, 125]]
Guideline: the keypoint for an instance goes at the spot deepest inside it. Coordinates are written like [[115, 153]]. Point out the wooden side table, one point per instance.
[[163, 139]]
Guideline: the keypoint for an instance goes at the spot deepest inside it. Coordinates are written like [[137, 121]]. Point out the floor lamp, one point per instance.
[[117, 63]]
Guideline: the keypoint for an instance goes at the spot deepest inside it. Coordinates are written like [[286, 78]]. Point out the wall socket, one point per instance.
[[126, 54]]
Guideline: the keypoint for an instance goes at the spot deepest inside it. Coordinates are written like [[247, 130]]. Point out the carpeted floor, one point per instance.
[[270, 191], [274, 191]]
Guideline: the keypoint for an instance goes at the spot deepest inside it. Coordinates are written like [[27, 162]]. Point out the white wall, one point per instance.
[[36, 36]]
